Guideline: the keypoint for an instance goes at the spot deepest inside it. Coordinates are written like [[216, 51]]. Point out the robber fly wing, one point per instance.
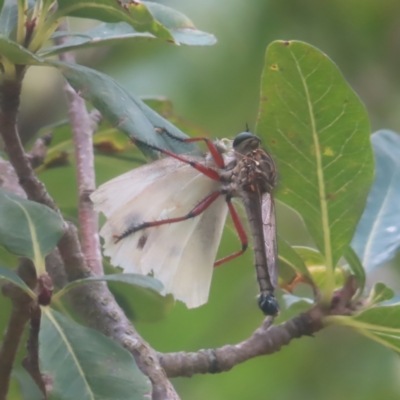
[[180, 255], [270, 238]]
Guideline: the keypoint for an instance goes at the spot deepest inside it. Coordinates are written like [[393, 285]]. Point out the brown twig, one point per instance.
[[31, 361], [20, 314], [39, 150], [265, 340], [82, 132]]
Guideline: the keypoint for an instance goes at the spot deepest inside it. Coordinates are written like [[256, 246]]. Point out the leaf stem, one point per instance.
[[22, 18]]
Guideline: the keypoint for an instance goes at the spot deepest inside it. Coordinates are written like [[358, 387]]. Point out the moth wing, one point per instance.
[[180, 255], [270, 238]]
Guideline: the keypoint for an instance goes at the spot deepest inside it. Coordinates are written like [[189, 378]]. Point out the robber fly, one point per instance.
[[166, 218]]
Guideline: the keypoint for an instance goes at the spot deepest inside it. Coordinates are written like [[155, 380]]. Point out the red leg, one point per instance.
[[219, 160], [202, 206], [241, 232], [211, 173]]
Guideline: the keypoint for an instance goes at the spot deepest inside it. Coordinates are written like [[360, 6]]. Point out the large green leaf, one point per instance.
[[377, 237], [144, 281], [381, 324], [27, 228], [318, 131], [17, 54], [122, 110], [12, 277], [134, 13], [86, 365]]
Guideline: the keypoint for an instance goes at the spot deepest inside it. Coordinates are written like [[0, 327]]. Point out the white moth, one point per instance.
[[180, 255]]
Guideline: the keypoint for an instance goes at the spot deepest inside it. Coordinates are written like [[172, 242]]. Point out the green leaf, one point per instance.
[[315, 264], [181, 28], [144, 281], [138, 303], [134, 13], [86, 365], [28, 387], [122, 110], [379, 294], [291, 264], [377, 237], [318, 131], [288, 255], [292, 306], [12, 277], [17, 54], [27, 228], [356, 267], [381, 324], [9, 15]]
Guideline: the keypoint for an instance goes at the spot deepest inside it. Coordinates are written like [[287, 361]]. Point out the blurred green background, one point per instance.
[[217, 88]]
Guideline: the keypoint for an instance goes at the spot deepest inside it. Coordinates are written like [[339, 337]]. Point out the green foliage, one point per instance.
[[312, 123], [12, 277], [379, 294], [134, 13], [381, 324], [146, 282], [17, 54], [120, 108], [317, 130], [377, 237], [356, 267], [289, 258], [27, 228], [85, 364]]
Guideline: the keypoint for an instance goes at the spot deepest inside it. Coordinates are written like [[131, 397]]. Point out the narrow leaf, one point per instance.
[[86, 365], [356, 267], [144, 281], [291, 266], [27, 228], [318, 131], [12, 277], [9, 16], [377, 237], [122, 110], [17, 54], [114, 34], [134, 13], [316, 266], [381, 324]]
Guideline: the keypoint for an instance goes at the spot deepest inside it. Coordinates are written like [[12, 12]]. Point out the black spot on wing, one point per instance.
[[142, 241]]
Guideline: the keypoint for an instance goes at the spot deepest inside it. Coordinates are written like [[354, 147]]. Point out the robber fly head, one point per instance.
[[246, 142]]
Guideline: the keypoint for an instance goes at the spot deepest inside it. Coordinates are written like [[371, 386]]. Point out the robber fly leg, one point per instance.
[[240, 230], [202, 206], [211, 173], [219, 160]]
